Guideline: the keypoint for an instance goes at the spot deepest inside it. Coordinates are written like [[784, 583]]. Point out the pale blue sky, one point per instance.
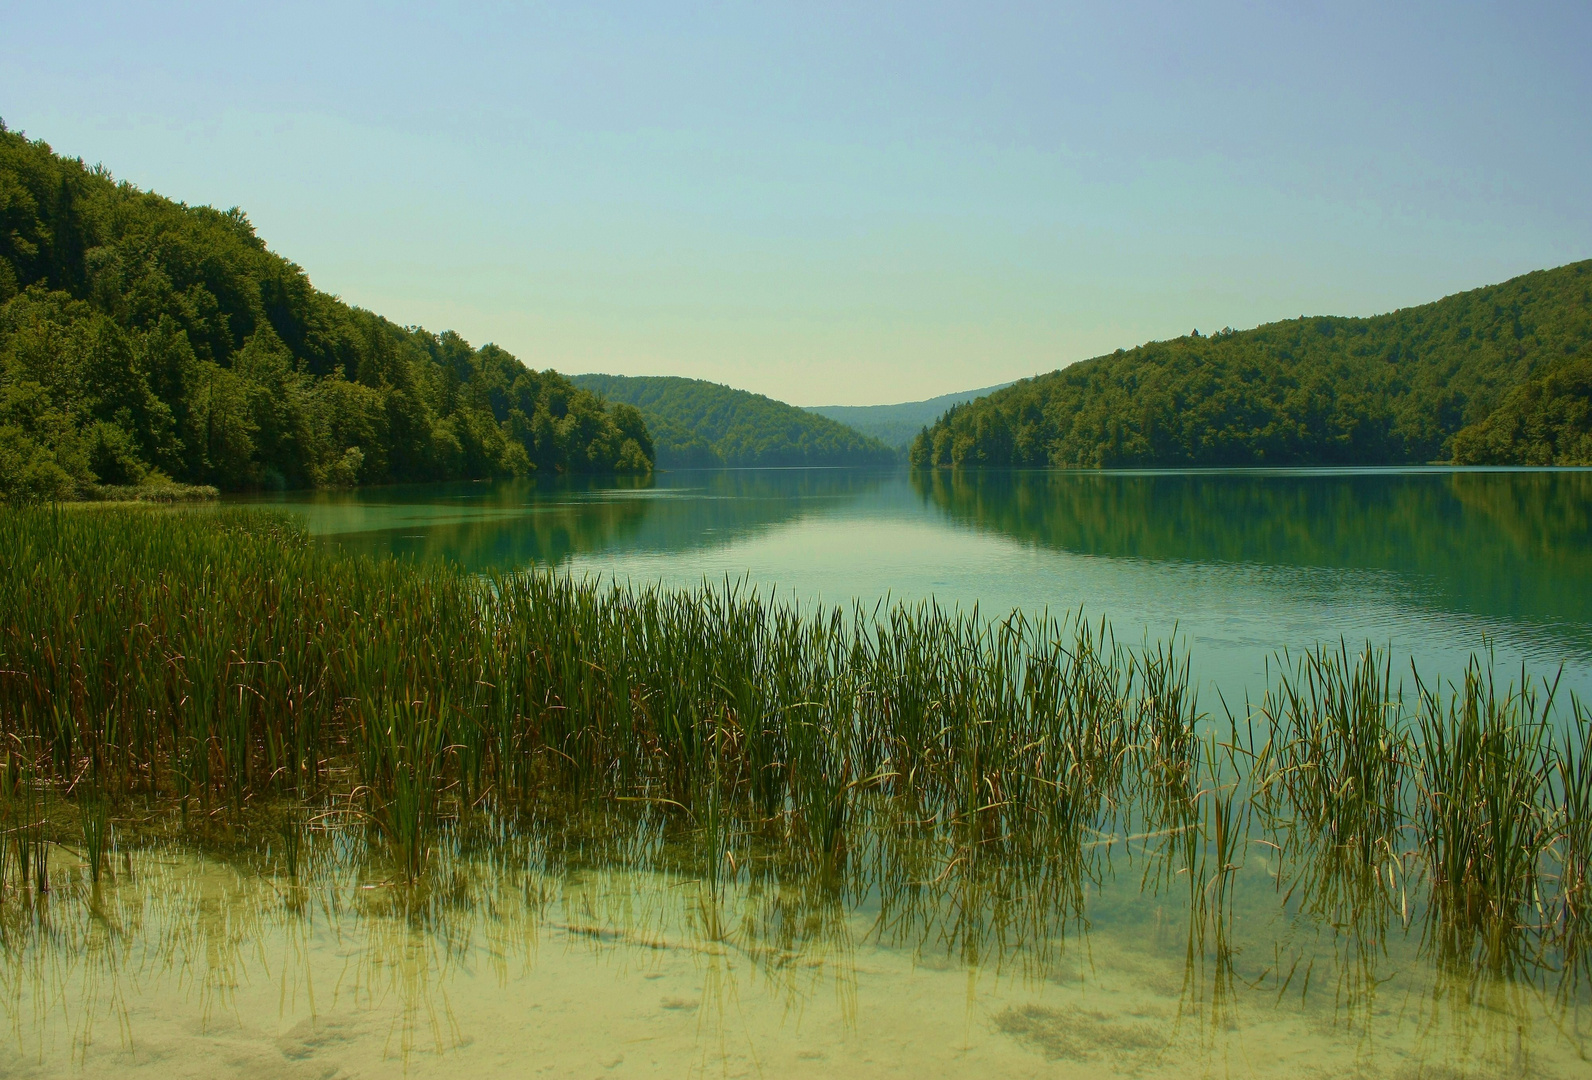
[[844, 204]]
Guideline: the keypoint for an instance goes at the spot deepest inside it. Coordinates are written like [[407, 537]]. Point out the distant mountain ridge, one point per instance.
[[698, 424], [895, 425], [1411, 386]]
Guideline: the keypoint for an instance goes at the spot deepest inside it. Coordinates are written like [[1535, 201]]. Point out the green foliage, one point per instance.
[[698, 424], [143, 340], [1391, 389], [1543, 421]]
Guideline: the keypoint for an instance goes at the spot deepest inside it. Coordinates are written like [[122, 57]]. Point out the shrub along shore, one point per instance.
[[205, 658]]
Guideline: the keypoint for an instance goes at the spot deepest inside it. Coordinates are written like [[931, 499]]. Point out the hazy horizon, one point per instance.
[[834, 208], [819, 405]]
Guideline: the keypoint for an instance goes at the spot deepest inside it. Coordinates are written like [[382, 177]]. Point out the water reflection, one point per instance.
[[590, 939], [1491, 542], [545, 521], [1436, 562], [1435, 559]]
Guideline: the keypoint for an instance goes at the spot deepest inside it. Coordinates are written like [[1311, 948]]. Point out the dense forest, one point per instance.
[[695, 423], [1545, 420], [144, 342], [1391, 389]]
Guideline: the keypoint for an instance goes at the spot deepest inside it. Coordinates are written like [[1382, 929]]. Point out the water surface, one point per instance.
[[620, 938], [545, 952], [1437, 563]]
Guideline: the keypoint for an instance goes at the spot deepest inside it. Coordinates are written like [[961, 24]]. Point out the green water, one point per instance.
[[1435, 563]]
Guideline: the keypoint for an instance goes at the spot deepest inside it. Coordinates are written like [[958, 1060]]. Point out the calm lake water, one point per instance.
[[587, 936], [590, 945], [1438, 564]]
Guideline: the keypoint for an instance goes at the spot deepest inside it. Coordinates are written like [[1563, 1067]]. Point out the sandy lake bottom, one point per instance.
[[188, 966]]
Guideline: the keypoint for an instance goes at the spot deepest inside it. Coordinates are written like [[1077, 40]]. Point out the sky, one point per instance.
[[843, 203]]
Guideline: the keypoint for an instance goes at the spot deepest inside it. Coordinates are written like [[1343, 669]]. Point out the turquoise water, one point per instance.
[[1435, 563], [587, 936]]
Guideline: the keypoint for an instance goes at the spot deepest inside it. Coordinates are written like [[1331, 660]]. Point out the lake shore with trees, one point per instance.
[[150, 345], [1414, 386]]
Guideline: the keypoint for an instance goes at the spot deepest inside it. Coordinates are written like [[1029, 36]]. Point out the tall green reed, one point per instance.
[[219, 657], [1485, 816], [1338, 747]]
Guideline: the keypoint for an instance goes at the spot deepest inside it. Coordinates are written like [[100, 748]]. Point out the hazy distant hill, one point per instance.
[[895, 425], [143, 341], [698, 423], [1390, 389]]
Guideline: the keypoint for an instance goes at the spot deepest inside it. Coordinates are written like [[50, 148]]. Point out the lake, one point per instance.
[[885, 864], [592, 947], [1439, 564]]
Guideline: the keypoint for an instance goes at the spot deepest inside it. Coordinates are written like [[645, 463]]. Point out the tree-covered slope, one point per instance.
[[1390, 389], [1545, 420], [142, 339], [896, 425], [699, 423]]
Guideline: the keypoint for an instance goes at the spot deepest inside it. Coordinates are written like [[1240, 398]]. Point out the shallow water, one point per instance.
[[521, 954], [594, 941], [1436, 563]]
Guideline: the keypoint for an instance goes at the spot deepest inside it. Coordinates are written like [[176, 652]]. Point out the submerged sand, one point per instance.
[[185, 966]]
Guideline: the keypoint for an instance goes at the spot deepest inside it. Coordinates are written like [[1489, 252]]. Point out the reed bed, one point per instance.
[[215, 658], [219, 657], [1470, 795]]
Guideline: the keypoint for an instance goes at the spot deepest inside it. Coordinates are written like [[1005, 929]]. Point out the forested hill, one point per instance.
[[1392, 389], [895, 425], [143, 340], [698, 423], [1546, 420]]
